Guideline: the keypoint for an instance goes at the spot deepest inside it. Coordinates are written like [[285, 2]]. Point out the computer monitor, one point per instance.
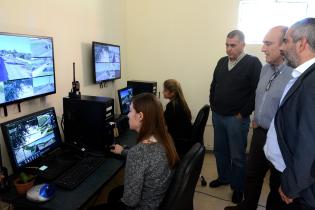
[[27, 67], [30, 137], [106, 62], [125, 96]]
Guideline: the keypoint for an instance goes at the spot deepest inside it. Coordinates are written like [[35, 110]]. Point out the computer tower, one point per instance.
[[86, 122], [140, 86]]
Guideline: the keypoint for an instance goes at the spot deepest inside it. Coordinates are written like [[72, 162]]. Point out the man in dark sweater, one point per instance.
[[232, 100]]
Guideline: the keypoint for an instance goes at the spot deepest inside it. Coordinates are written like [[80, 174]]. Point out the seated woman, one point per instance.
[[150, 163], [177, 116]]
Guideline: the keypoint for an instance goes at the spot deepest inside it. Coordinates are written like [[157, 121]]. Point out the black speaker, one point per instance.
[[86, 122], [140, 86]]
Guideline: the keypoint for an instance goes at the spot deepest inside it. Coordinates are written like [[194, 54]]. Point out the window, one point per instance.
[[256, 17]]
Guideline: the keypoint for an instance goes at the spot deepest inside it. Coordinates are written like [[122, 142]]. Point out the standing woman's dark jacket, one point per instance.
[[178, 124]]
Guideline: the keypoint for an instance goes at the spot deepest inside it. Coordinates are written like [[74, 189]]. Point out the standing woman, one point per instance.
[[150, 163], [177, 116]]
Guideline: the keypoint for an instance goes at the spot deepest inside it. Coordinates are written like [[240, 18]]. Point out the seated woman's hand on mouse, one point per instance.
[[116, 149]]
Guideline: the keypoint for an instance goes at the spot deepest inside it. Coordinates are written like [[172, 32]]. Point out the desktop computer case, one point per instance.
[[140, 86], [86, 121]]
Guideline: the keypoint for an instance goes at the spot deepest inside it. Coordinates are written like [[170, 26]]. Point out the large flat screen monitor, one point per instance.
[[106, 61], [30, 137], [125, 96], [27, 67]]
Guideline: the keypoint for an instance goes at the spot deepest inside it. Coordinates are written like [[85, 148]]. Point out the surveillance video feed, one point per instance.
[[32, 137], [107, 62], [125, 98], [26, 67]]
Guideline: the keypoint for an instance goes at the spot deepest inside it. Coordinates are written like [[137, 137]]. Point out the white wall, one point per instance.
[[181, 39], [73, 24]]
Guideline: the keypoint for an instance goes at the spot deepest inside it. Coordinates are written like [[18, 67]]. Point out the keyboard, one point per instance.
[[79, 172], [56, 168]]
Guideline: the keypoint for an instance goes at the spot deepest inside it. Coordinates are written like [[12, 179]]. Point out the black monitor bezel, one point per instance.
[[56, 145], [94, 63], [53, 58], [119, 98]]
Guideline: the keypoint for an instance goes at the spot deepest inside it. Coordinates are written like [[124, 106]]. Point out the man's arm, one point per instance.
[[213, 84], [254, 78], [297, 176]]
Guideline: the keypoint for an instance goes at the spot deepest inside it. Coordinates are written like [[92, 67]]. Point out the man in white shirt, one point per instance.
[[290, 144]]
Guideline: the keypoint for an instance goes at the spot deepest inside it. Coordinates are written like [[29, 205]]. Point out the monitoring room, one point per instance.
[[69, 71]]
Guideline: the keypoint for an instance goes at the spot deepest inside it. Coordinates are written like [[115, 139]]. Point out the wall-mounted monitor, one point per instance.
[[106, 61], [27, 67], [30, 137]]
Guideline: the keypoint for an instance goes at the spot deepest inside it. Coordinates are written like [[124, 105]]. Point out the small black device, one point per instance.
[[203, 181], [140, 86], [86, 122], [106, 62], [4, 178], [75, 90]]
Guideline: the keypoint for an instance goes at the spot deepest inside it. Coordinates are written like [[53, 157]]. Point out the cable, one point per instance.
[[213, 196], [62, 124]]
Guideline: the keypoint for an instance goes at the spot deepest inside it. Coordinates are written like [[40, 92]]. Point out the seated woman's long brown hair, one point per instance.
[[153, 124]]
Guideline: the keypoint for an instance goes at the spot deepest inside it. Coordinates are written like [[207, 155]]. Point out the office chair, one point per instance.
[[183, 145], [182, 187], [199, 128], [200, 124]]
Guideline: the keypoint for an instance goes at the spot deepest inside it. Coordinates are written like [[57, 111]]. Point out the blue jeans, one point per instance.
[[230, 141]]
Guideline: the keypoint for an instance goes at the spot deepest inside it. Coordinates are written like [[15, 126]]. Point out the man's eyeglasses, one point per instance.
[[273, 77]]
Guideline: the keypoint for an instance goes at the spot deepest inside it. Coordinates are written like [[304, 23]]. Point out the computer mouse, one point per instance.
[[41, 192]]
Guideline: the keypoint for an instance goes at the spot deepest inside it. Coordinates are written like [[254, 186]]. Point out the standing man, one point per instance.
[[273, 78], [232, 98], [291, 137]]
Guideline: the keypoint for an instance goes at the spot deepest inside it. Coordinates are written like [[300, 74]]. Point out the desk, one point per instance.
[[74, 199]]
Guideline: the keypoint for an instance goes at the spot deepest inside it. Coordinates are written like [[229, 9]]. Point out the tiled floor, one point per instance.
[[207, 198]]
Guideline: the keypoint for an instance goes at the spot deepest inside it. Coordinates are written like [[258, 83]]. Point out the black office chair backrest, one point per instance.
[[179, 195], [200, 124]]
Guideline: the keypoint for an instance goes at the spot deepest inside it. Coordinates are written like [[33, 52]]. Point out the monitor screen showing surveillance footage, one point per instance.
[[26, 67], [30, 137], [106, 59]]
